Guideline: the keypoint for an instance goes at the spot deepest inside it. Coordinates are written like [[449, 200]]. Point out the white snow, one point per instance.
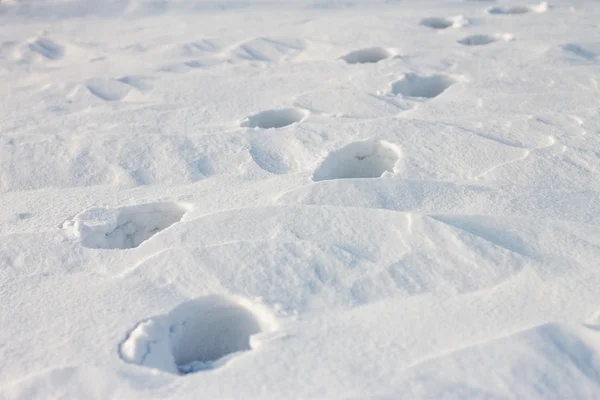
[[299, 199]]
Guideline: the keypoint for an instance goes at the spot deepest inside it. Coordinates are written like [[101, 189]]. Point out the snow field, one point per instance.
[[209, 199]]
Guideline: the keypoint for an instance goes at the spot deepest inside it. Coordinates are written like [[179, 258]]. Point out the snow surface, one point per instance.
[[299, 199]]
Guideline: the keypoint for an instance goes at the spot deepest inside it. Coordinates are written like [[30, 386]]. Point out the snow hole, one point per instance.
[[274, 118], [369, 55], [413, 85], [124, 227], [437, 23], [478, 40], [197, 335], [365, 159]]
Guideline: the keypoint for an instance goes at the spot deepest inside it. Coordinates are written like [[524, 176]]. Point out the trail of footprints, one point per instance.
[[262, 49], [204, 333]]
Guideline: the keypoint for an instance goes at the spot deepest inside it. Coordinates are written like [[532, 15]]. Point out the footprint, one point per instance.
[[413, 85], [108, 89], [123, 227], [141, 83], [197, 335], [368, 55], [364, 159], [274, 118], [118, 89], [589, 52], [537, 8], [268, 49], [269, 161], [444, 23], [480, 40], [36, 49], [47, 48]]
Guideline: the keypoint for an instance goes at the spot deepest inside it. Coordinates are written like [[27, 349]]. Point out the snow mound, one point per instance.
[[551, 360], [365, 159], [368, 55], [197, 334], [274, 118], [124, 227], [413, 85], [444, 23], [537, 8]]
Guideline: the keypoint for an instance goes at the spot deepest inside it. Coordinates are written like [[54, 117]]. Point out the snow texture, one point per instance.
[[299, 199]]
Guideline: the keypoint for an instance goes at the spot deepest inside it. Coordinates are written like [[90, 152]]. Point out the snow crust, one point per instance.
[[263, 199]]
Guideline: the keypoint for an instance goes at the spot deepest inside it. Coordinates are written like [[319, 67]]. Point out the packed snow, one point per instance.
[[273, 199]]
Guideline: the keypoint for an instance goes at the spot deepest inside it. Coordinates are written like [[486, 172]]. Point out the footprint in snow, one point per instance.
[[368, 55], [270, 119], [515, 10], [47, 48], [37, 49], [481, 40], [587, 51], [364, 159], [444, 23], [117, 89], [197, 335], [123, 227], [413, 85]]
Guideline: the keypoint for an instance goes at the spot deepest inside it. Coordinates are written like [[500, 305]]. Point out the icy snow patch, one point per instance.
[[124, 227], [197, 334], [365, 159]]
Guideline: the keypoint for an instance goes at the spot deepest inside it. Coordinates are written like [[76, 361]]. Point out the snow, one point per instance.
[[299, 199]]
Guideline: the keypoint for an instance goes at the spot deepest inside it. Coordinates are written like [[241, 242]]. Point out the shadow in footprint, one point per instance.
[[481, 40], [590, 52], [444, 23], [274, 118], [368, 55], [413, 85], [47, 48], [196, 335], [365, 159], [109, 89]]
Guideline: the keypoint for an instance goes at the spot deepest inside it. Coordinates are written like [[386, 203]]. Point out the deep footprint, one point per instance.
[[274, 118], [413, 85], [124, 227], [481, 40], [368, 55], [197, 335], [444, 23], [365, 159]]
